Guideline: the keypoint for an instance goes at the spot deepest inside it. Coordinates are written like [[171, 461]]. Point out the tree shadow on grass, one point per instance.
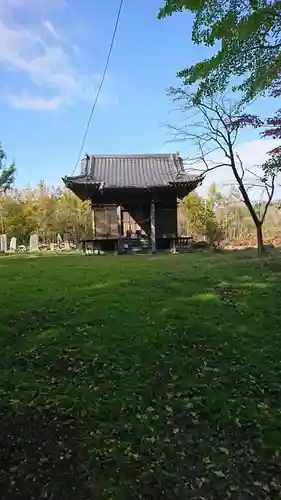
[[41, 455], [195, 424], [194, 412]]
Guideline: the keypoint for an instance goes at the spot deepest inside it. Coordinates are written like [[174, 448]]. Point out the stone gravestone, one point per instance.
[[13, 244], [3, 243], [66, 245], [33, 243], [59, 240], [52, 247]]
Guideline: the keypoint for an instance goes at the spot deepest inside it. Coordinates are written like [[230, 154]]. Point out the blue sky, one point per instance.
[[52, 53]]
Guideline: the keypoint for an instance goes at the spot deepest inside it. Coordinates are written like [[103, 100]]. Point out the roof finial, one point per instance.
[[84, 164]]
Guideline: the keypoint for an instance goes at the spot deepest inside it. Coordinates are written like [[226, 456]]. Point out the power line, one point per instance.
[[101, 83]]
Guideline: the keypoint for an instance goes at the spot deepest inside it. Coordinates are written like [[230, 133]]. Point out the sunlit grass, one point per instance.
[[140, 377]]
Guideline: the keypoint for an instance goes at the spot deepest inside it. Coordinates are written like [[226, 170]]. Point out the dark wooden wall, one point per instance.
[[166, 220], [105, 221], [140, 213], [136, 217]]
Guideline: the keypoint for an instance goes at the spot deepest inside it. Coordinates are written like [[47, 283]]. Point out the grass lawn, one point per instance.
[[140, 377]]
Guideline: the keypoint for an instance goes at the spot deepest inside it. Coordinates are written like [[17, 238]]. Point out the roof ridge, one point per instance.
[[142, 171], [140, 155]]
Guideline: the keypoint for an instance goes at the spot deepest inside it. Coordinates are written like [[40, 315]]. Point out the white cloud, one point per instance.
[[43, 5], [25, 101], [255, 152], [39, 61], [50, 27]]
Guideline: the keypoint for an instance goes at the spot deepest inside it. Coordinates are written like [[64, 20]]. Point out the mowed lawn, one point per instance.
[[150, 377]]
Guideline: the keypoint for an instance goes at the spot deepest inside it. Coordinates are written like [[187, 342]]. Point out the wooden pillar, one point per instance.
[[173, 245], [119, 228], [152, 227], [94, 221]]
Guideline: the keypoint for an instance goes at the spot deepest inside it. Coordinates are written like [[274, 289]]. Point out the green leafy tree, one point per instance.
[[215, 197], [46, 211], [73, 216], [14, 219], [248, 36], [201, 218], [7, 174]]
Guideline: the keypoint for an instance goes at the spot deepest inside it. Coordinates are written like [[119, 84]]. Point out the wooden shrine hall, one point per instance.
[[134, 199]]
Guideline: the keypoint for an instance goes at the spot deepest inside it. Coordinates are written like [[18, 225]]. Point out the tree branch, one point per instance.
[[241, 166], [270, 193]]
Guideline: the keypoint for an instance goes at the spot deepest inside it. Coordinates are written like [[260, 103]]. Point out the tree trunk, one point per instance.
[[259, 238]]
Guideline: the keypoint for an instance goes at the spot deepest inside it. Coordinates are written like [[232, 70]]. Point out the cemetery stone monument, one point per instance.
[[59, 240], [33, 243], [13, 244], [3, 243]]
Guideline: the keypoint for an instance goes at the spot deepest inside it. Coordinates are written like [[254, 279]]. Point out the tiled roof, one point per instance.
[[117, 171]]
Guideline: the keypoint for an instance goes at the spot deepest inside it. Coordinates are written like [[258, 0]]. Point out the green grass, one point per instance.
[[140, 377]]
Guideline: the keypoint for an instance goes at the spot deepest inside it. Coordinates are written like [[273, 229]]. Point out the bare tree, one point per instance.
[[212, 127]]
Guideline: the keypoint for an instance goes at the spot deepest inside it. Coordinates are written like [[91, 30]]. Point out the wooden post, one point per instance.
[[152, 227], [94, 221], [173, 245], [120, 228]]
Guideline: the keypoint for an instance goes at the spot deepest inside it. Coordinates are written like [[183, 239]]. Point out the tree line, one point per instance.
[[46, 211], [223, 219], [49, 211]]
